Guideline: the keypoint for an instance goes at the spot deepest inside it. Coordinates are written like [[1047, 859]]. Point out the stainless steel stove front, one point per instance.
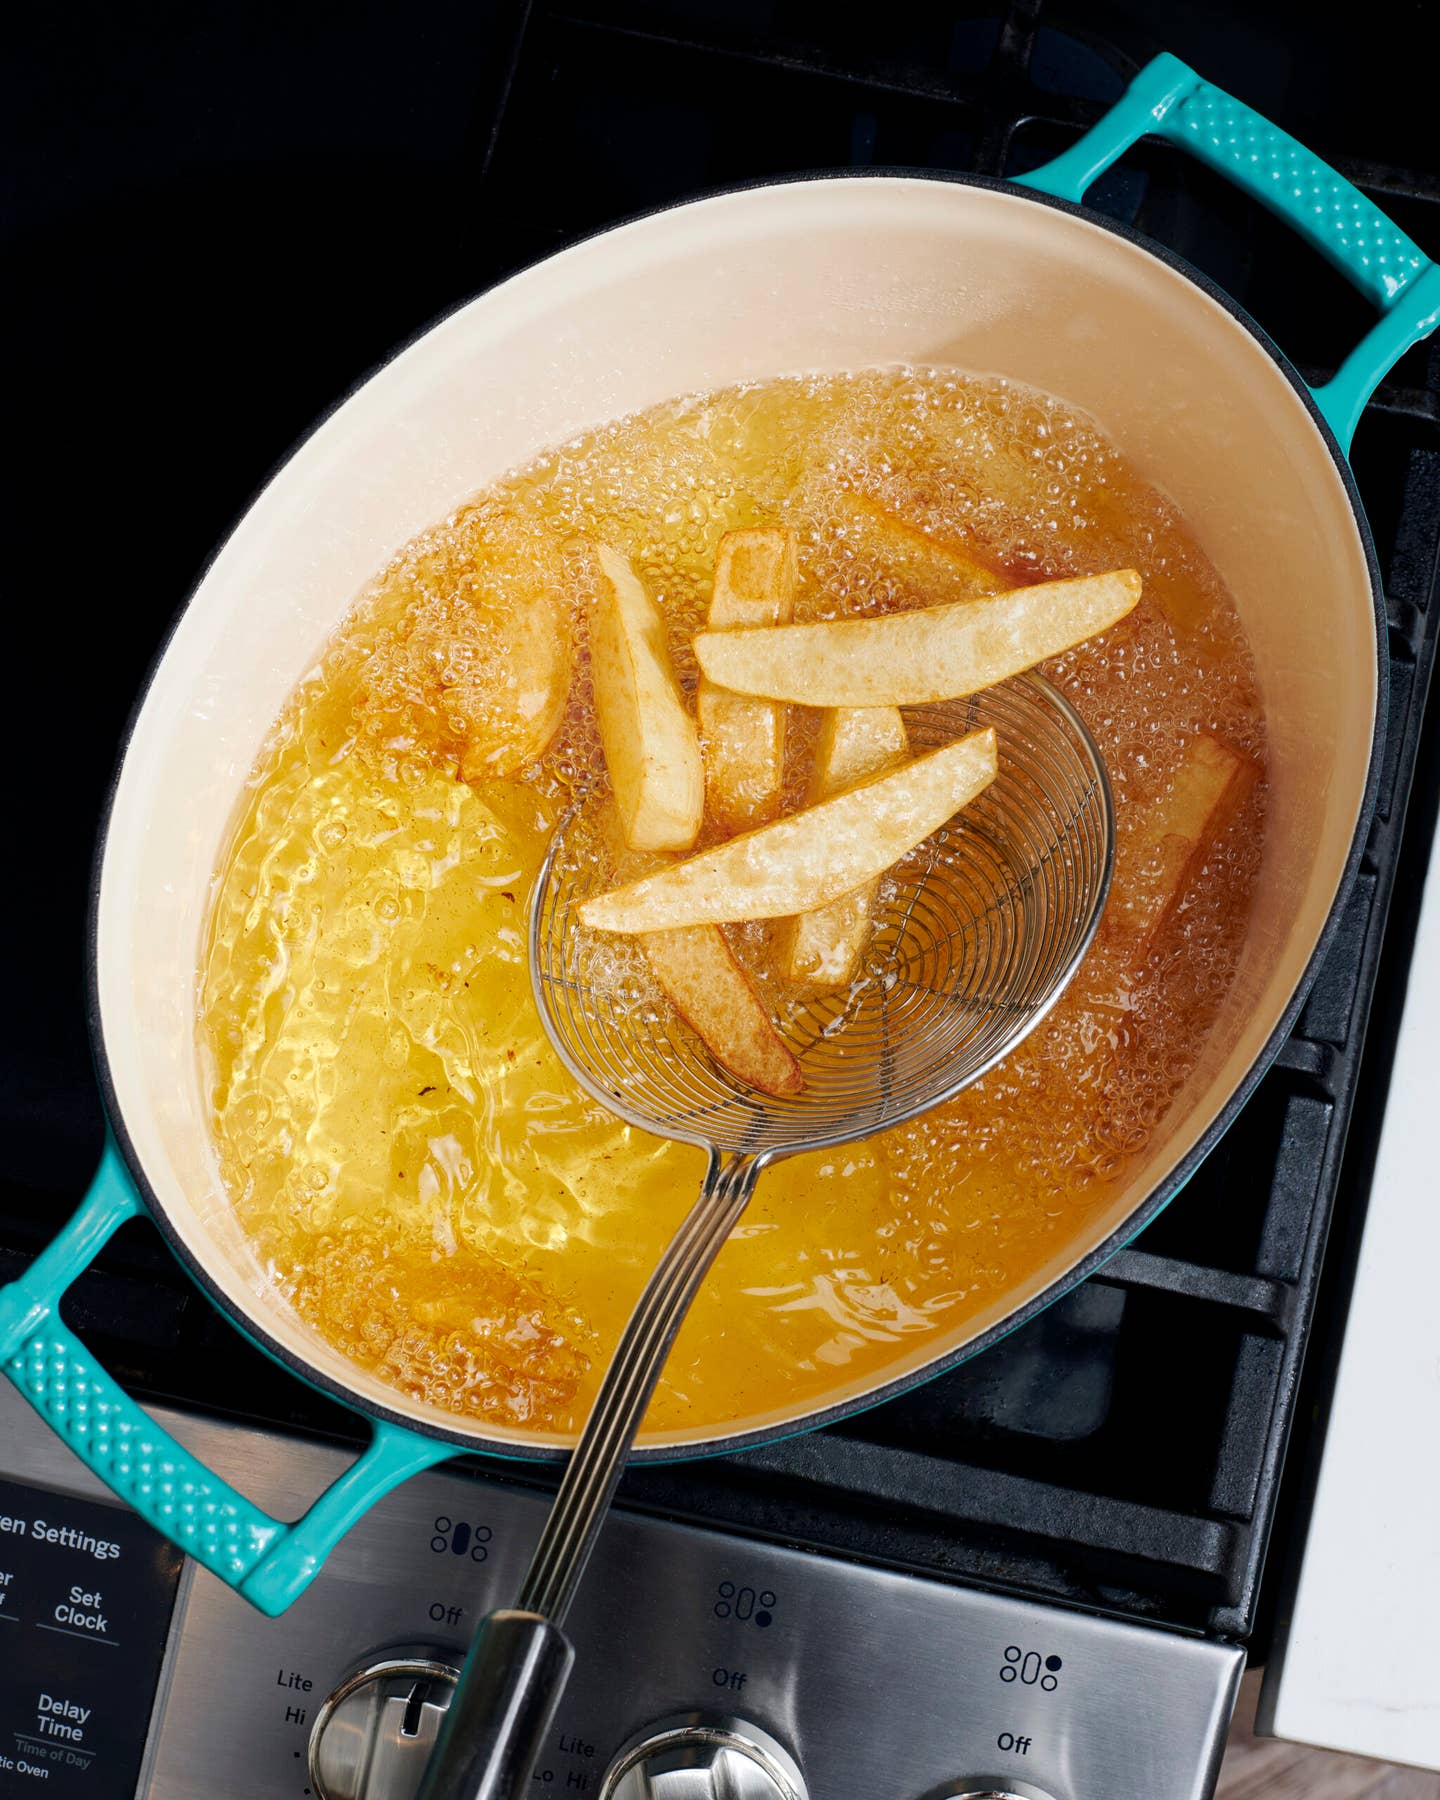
[[834, 1680]]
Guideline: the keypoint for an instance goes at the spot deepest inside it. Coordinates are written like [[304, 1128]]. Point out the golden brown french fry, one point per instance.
[[909, 658], [742, 739], [707, 986], [1209, 785], [651, 746], [513, 696], [825, 946], [754, 578], [810, 858], [939, 569]]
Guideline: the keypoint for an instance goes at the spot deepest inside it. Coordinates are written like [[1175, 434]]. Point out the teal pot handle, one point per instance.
[[1169, 100], [267, 1560]]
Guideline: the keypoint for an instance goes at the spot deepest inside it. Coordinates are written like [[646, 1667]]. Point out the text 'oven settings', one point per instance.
[[86, 1594]]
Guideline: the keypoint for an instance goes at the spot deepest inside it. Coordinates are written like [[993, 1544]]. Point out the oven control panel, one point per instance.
[[87, 1592], [703, 1662]]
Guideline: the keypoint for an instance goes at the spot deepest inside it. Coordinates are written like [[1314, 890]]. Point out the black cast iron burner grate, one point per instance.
[[1124, 1449]]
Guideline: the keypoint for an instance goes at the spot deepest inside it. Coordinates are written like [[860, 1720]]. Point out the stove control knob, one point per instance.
[[373, 1736], [694, 1757]]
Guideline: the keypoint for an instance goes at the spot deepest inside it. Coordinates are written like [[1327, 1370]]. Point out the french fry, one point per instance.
[[810, 858], [707, 985], [742, 739], [940, 569], [1210, 784], [825, 946], [909, 658], [514, 704], [651, 746]]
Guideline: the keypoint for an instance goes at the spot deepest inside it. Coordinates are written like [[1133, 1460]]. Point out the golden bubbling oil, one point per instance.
[[416, 1170]]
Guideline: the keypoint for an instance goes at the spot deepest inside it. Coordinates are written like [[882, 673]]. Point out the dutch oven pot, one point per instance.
[[821, 274]]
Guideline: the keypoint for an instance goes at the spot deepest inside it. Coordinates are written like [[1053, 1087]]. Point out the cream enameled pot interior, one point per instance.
[[818, 275]]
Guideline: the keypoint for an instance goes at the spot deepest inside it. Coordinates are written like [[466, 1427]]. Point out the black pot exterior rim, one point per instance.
[[475, 1444]]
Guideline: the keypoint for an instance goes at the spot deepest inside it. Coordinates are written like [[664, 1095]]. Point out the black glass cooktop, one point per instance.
[[223, 217]]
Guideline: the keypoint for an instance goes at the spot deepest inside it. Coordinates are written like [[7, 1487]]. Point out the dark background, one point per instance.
[[220, 216]]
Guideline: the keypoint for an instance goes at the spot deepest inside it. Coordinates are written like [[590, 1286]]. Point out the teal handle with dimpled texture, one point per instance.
[[268, 1560], [1170, 101]]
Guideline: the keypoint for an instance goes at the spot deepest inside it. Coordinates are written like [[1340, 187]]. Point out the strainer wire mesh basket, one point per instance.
[[976, 935]]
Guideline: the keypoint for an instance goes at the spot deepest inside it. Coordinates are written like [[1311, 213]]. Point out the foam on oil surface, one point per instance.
[[415, 1167]]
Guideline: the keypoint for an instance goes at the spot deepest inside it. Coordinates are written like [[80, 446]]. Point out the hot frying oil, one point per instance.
[[414, 1167]]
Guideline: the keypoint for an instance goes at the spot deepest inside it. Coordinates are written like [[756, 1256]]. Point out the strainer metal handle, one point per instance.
[[585, 1493], [506, 1701]]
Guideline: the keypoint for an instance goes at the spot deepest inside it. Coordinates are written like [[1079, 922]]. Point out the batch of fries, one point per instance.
[[869, 803]]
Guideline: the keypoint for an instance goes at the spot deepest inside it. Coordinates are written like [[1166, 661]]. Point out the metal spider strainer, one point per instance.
[[977, 935]]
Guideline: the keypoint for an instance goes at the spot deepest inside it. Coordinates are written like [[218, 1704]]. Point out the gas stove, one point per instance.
[[1038, 1575]]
